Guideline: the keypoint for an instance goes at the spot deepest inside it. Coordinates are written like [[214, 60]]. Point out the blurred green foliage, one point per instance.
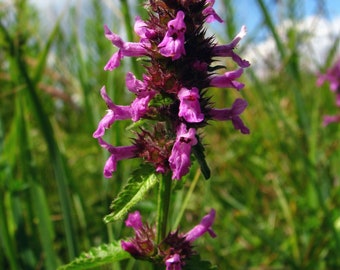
[[276, 191]]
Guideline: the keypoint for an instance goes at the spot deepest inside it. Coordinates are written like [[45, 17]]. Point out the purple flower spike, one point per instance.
[[227, 80], [232, 114], [172, 100], [117, 153], [125, 49], [189, 107], [179, 159], [210, 13], [173, 43], [114, 112], [174, 262], [204, 226], [228, 49]]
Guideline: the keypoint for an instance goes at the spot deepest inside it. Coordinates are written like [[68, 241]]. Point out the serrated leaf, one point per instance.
[[198, 151], [138, 185], [195, 263], [98, 256]]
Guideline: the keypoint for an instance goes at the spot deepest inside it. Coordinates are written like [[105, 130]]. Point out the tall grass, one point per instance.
[[276, 191]]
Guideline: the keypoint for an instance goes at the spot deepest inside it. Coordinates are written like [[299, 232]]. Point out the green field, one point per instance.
[[276, 191]]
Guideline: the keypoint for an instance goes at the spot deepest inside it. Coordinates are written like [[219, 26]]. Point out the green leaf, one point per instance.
[[195, 263], [98, 256], [39, 71], [138, 185], [198, 151]]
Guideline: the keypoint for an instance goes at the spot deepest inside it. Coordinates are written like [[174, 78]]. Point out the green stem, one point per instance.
[[164, 193], [186, 200]]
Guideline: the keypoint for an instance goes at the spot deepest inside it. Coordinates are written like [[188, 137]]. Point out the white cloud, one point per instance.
[[316, 36]]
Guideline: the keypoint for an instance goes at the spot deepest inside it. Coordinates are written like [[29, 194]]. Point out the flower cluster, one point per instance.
[[333, 77], [174, 250], [178, 60]]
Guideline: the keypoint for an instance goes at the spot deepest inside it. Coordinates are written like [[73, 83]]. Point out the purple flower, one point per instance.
[[140, 88], [204, 226], [114, 112], [131, 248], [328, 119], [173, 262], [189, 107], [179, 159], [232, 114], [228, 49], [134, 85], [172, 44], [181, 250], [140, 105], [174, 250], [332, 76], [134, 221], [142, 30], [125, 49], [117, 153], [142, 245], [210, 13], [228, 80]]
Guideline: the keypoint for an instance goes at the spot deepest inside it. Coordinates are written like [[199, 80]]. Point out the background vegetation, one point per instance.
[[276, 191]]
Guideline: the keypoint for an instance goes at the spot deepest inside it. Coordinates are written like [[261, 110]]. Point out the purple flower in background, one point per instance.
[[173, 43], [328, 119], [180, 155], [232, 114], [189, 107], [332, 75]]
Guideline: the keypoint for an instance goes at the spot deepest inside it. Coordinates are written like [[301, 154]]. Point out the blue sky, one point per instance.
[[248, 12]]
